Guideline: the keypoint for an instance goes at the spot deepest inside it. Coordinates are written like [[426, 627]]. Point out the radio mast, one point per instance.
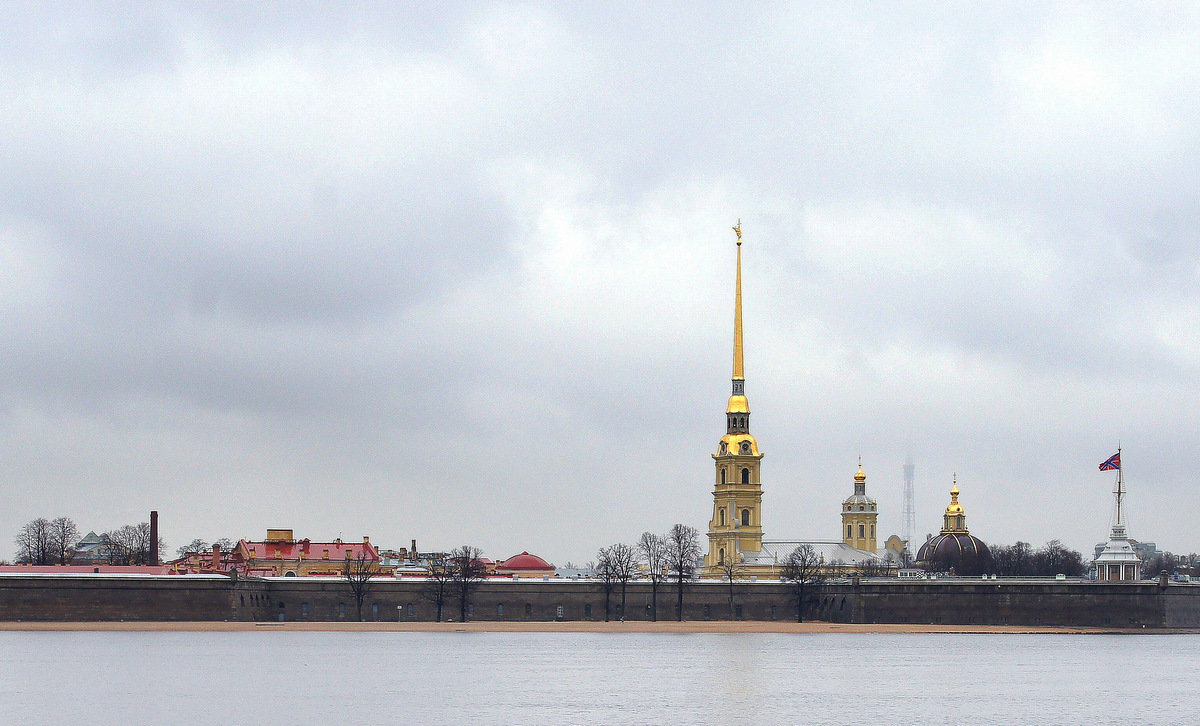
[[910, 509]]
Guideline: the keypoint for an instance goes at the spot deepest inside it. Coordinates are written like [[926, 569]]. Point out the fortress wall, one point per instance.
[[1012, 603], [1181, 606], [129, 598], [946, 602]]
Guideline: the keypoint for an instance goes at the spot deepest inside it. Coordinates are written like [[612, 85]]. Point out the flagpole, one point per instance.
[[1120, 484]]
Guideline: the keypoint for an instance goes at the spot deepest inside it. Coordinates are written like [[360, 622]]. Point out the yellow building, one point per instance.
[[735, 535], [859, 515], [735, 529]]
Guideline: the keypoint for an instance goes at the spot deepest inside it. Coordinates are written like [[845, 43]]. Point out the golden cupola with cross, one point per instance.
[[859, 515], [736, 524]]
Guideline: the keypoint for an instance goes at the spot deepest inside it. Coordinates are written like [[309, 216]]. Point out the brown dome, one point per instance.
[[962, 552]]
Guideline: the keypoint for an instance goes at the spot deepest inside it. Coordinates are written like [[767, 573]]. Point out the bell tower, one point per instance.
[[859, 515], [736, 524]]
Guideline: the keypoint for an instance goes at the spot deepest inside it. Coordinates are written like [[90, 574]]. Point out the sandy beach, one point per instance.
[[564, 627]]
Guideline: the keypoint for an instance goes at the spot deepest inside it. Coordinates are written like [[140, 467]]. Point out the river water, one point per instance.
[[284, 678]]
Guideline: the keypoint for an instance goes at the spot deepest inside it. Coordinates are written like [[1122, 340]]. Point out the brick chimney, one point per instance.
[[154, 537], [216, 557]]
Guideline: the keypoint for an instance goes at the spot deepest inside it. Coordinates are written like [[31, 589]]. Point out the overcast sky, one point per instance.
[[464, 273]]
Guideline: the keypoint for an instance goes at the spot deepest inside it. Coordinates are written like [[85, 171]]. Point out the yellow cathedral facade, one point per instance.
[[735, 533]]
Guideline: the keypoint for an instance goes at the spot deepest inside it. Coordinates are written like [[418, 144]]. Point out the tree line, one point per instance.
[[674, 558], [1022, 560], [56, 541]]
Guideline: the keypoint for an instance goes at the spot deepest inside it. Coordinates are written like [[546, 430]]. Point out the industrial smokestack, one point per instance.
[[154, 538]]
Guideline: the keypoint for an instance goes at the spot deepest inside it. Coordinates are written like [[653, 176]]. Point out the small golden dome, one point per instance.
[[738, 404], [860, 476], [955, 508]]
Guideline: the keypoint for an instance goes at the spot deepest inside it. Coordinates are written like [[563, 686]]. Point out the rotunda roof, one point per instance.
[[525, 561]]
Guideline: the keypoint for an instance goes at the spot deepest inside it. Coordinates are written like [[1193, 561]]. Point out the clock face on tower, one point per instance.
[[745, 447]]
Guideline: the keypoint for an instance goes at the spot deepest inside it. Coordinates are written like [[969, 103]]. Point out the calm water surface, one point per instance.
[[265, 679]]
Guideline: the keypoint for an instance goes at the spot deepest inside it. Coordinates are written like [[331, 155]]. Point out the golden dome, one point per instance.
[[738, 404], [732, 444], [860, 476]]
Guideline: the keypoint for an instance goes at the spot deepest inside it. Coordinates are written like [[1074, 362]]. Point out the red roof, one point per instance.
[[525, 561], [87, 569], [311, 550]]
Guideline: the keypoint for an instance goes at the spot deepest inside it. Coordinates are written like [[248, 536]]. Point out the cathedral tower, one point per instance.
[[859, 515], [736, 524]]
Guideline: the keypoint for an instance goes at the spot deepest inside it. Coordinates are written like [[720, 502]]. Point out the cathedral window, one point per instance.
[[745, 476], [849, 531], [721, 556], [722, 516], [872, 530], [862, 530], [722, 472], [745, 517]]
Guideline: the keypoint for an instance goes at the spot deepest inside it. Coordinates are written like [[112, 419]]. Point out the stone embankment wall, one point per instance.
[[947, 602], [101, 597]]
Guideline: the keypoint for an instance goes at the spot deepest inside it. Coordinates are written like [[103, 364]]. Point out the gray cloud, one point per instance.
[[467, 275]]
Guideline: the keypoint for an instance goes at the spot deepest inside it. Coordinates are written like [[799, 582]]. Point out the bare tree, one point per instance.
[[34, 543], [63, 536], [653, 551], [194, 547], [467, 572], [357, 573], [623, 561], [438, 577], [732, 570], [604, 570], [804, 570], [130, 544], [875, 567], [683, 550]]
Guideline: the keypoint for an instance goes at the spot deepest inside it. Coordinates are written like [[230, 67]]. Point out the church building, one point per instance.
[[735, 532]]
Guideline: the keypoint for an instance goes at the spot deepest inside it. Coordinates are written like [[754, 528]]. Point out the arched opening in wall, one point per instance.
[[722, 516], [529, 610], [862, 530], [721, 556], [745, 517], [500, 611], [745, 476], [849, 531], [587, 610], [722, 476], [872, 530], [375, 611]]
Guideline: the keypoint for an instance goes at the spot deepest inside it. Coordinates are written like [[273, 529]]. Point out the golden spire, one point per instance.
[[739, 372], [738, 405]]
